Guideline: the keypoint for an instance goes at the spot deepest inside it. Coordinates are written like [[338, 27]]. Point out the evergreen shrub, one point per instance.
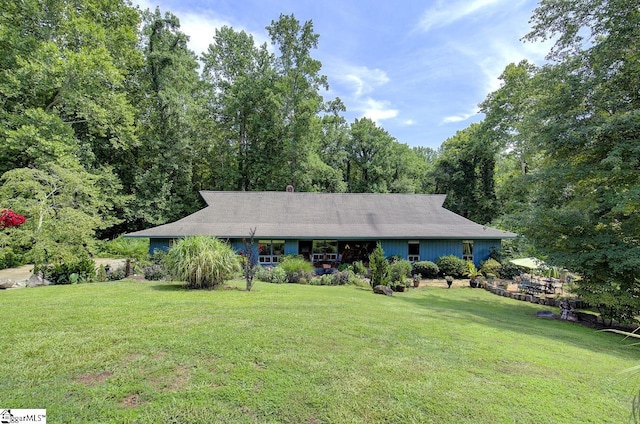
[[452, 265], [275, 275], [490, 266], [427, 269], [70, 272], [509, 271], [399, 272], [379, 267], [359, 268]]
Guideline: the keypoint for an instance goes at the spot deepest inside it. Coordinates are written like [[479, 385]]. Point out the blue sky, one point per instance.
[[417, 68]]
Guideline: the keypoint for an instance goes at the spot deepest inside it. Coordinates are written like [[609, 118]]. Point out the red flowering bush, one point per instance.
[[9, 218]]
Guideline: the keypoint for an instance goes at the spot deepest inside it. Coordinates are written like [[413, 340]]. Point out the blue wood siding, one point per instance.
[[159, 244], [482, 249], [395, 247], [237, 245], [291, 247], [431, 250]]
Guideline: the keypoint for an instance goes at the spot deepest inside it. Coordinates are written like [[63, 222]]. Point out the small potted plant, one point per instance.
[[473, 274], [416, 280], [399, 286]]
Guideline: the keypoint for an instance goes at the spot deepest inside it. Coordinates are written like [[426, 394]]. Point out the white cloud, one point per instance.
[[357, 86], [361, 80], [376, 110], [201, 26], [447, 12], [200, 29], [408, 122], [458, 118]]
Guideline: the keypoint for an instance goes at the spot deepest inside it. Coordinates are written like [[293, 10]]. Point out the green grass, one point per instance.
[[154, 352]]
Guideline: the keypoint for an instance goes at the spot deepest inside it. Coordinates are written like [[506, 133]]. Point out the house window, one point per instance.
[[325, 250], [270, 251], [467, 250], [414, 251]]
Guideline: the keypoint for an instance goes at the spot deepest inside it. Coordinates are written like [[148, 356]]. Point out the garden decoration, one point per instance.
[[449, 281]]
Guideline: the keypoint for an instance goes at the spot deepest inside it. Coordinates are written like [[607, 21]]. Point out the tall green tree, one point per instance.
[[328, 175], [585, 212], [427, 157], [66, 120], [66, 63], [465, 172], [243, 109], [298, 88], [408, 169], [65, 205], [160, 171], [368, 169], [511, 125]]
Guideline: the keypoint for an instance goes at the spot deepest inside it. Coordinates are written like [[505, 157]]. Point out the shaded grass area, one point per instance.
[[154, 352]]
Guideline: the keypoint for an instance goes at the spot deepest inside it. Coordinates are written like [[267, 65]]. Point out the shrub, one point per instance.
[[338, 278], [114, 274], [490, 266], [359, 268], [341, 278], [9, 259], [614, 301], [275, 275], [202, 262], [399, 272], [344, 267], [509, 271], [452, 265], [427, 269], [379, 267], [70, 272], [322, 280], [392, 259], [296, 268], [157, 257], [154, 272], [263, 274], [101, 274], [358, 282]]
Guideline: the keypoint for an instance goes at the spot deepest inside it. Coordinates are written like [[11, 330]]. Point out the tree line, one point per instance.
[[109, 124]]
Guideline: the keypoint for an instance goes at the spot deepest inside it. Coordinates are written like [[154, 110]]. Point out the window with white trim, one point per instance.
[[467, 250], [414, 251], [270, 251], [325, 250]]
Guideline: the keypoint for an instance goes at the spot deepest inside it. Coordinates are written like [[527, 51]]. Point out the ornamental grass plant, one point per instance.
[[202, 262]]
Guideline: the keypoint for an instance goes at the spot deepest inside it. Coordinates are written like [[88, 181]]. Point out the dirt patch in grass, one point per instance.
[[131, 401], [93, 379], [180, 378]]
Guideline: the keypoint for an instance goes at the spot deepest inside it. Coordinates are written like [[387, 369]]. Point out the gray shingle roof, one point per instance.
[[324, 216]]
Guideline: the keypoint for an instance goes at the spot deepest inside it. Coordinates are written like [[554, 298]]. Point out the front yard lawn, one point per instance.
[[154, 352]]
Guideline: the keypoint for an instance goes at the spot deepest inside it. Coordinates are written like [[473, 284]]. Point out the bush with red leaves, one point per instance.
[[9, 218]]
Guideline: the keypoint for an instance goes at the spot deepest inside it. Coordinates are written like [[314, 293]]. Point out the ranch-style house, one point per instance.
[[333, 227]]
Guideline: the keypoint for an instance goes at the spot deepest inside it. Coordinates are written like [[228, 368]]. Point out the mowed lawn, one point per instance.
[[153, 352]]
